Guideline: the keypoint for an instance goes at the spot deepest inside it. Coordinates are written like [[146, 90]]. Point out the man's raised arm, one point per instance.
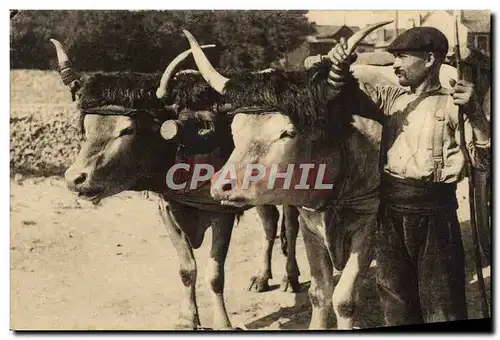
[[368, 100]]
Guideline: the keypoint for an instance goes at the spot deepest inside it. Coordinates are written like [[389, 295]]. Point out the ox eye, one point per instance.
[[288, 134], [127, 131]]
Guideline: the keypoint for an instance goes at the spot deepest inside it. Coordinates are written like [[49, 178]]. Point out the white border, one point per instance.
[[148, 4]]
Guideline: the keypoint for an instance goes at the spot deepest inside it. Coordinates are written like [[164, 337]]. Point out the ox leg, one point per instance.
[[222, 227], [291, 279], [344, 295], [269, 216], [321, 289], [187, 263]]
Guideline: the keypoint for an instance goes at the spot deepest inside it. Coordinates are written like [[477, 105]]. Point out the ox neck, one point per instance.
[[153, 182], [353, 163], [155, 179], [336, 173]]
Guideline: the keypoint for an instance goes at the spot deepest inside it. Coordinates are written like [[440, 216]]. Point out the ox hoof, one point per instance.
[[185, 326], [290, 285], [258, 284], [188, 321], [225, 329], [235, 328]]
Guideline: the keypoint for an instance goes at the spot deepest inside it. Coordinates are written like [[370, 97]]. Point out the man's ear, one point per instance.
[[430, 59]]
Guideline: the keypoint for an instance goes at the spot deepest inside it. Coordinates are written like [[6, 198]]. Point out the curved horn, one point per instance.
[[62, 57], [267, 70], [67, 73], [162, 90], [187, 71], [212, 77], [357, 37]]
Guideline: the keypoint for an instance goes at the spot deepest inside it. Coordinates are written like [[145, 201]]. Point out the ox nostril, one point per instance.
[[227, 187], [81, 178]]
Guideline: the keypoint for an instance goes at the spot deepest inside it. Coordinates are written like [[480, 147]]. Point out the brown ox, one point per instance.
[[297, 118], [121, 116]]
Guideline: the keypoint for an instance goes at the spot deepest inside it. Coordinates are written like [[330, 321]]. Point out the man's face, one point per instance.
[[411, 67]]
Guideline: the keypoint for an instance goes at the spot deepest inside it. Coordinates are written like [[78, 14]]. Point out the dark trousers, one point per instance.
[[420, 267]]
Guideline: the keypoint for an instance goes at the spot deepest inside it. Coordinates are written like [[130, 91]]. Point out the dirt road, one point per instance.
[[75, 266]]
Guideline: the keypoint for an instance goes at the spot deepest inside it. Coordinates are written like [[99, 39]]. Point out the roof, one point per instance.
[[322, 30], [389, 37], [398, 32], [424, 16], [476, 21], [327, 31]]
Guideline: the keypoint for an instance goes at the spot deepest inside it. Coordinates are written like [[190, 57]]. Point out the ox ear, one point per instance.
[[68, 75]]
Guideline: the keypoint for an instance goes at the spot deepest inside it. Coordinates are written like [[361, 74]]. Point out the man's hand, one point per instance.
[[340, 63], [463, 94]]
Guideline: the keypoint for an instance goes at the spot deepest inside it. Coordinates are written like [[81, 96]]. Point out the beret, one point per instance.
[[425, 39]]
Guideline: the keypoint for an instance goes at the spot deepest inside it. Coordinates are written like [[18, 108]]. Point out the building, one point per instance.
[[328, 36], [474, 34], [385, 37], [473, 29], [321, 42], [474, 40]]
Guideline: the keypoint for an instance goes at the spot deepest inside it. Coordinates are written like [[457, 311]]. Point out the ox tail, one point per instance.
[[238, 216], [283, 239]]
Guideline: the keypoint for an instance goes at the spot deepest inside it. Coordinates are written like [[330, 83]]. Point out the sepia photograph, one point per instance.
[[250, 170]]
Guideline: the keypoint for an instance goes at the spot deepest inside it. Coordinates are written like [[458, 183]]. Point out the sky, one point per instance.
[[360, 18]]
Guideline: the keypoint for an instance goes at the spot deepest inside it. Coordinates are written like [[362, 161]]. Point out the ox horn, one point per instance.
[[357, 37], [209, 73], [67, 73], [162, 90]]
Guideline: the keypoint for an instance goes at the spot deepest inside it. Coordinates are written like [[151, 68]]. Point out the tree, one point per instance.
[[146, 41]]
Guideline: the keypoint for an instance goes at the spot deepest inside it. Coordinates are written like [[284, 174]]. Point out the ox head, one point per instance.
[[121, 116], [283, 122]]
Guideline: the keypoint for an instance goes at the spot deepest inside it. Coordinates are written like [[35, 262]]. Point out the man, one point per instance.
[[419, 251]]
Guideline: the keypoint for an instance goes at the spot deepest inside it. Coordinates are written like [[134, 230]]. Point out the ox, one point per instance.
[[121, 115], [301, 119]]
